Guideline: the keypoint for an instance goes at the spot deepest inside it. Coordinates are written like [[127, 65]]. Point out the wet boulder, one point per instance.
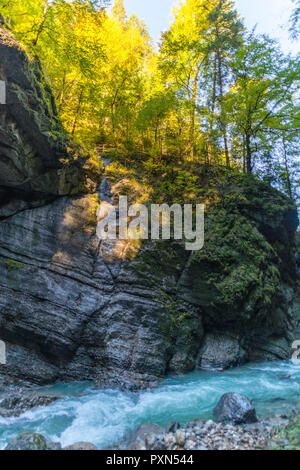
[[221, 351], [81, 446], [32, 441], [27, 441], [234, 408], [16, 404], [147, 437]]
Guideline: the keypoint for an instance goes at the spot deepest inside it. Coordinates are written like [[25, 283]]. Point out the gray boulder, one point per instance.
[[221, 351], [27, 441], [81, 446], [16, 404], [234, 408], [54, 446], [147, 437], [32, 441]]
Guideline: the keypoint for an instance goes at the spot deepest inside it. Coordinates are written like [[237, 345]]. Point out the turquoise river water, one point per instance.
[[104, 417]]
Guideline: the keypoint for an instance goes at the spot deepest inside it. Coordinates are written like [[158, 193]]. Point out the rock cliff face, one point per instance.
[[34, 163], [72, 308]]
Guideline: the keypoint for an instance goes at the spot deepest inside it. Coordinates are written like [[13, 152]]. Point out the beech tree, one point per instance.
[[118, 11], [295, 20], [212, 94], [265, 85]]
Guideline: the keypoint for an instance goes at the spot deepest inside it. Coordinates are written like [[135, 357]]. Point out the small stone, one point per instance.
[[209, 425], [155, 442], [172, 426], [180, 437], [137, 440], [54, 446], [169, 439], [81, 446], [189, 444]]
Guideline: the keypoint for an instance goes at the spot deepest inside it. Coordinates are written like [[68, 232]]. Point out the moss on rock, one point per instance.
[[239, 262]]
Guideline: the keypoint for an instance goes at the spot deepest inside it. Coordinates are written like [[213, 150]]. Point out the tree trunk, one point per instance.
[[244, 155], [77, 112], [222, 119], [248, 153], [286, 164], [193, 117], [41, 27], [212, 117], [156, 132], [61, 96]]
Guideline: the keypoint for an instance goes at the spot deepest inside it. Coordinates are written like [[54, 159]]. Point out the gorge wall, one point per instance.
[[72, 308]]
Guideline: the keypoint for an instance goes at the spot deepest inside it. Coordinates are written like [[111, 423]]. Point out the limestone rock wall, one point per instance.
[[72, 308]]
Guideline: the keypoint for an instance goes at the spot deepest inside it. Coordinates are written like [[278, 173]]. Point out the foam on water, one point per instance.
[[106, 416]]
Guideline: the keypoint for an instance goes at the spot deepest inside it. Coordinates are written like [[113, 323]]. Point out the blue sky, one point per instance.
[[271, 16]]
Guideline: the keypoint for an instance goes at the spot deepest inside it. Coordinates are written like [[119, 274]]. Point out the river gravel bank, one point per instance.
[[208, 435], [198, 435]]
